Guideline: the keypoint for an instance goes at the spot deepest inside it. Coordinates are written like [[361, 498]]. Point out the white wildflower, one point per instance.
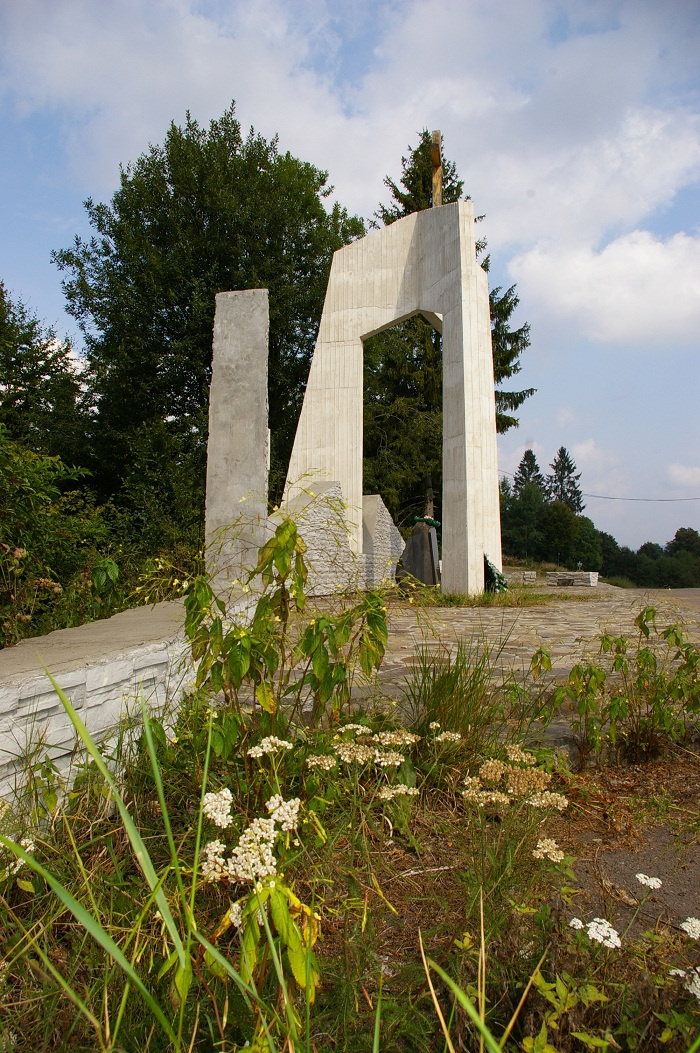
[[650, 882], [575, 923], [271, 744], [448, 736], [395, 738], [359, 729], [324, 761], [547, 799], [492, 771], [286, 813], [692, 927], [388, 758], [217, 807], [255, 751], [388, 793], [691, 980], [235, 915], [434, 725], [602, 931], [213, 867], [517, 755], [547, 848], [29, 847], [354, 752], [253, 858]]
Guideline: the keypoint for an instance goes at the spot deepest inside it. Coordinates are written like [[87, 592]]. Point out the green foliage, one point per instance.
[[40, 395], [640, 697], [528, 474], [562, 484], [207, 210], [258, 659], [673, 567]]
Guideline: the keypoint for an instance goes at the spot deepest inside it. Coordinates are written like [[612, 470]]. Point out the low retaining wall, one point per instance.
[[102, 667]]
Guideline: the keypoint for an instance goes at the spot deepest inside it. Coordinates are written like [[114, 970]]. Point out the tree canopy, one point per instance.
[[40, 394], [528, 473], [562, 484], [207, 210]]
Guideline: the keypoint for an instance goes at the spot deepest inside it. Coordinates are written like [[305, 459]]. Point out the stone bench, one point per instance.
[[558, 578]]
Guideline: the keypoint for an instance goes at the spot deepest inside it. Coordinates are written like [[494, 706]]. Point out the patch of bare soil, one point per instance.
[[630, 820]]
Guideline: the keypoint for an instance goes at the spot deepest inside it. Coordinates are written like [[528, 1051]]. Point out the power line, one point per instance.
[[646, 500]]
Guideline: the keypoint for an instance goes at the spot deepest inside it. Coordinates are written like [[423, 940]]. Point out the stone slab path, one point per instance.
[[568, 625]]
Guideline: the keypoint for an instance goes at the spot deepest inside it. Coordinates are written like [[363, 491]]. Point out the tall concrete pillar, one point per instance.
[[237, 453]]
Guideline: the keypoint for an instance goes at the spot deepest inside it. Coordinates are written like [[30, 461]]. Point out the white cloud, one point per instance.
[[564, 416], [684, 475], [509, 459], [545, 109], [638, 291], [601, 469]]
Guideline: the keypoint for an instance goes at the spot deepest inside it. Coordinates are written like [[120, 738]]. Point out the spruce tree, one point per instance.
[[562, 484], [528, 473]]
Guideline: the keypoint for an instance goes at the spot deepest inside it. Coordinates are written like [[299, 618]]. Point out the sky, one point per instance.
[[574, 125]]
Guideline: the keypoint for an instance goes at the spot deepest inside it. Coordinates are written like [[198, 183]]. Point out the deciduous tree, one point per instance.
[[208, 210]]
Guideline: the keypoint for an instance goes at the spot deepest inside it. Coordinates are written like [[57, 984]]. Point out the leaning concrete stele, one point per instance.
[[422, 264]]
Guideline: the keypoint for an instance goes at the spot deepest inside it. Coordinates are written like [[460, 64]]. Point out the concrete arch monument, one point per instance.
[[422, 264]]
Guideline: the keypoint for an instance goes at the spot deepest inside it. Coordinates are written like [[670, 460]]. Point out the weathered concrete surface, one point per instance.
[[101, 667], [237, 451], [424, 264]]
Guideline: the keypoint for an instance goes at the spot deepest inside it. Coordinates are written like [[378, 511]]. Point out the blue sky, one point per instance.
[[575, 126]]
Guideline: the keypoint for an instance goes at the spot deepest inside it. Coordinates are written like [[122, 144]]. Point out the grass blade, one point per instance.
[[135, 839], [93, 927]]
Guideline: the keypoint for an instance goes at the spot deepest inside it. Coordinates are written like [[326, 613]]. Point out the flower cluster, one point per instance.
[[547, 799], [448, 736], [692, 927], [388, 759], [253, 859], [29, 846], [650, 882], [395, 738], [517, 755], [548, 849], [434, 725], [388, 793], [527, 782], [492, 771], [691, 979], [324, 761], [353, 752], [359, 729], [270, 745], [599, 930], [213, 866], [235, 915], [286, 813], [217, 807]]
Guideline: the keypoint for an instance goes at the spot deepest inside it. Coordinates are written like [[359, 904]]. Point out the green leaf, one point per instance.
[[592, 1041], [25, 884]]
